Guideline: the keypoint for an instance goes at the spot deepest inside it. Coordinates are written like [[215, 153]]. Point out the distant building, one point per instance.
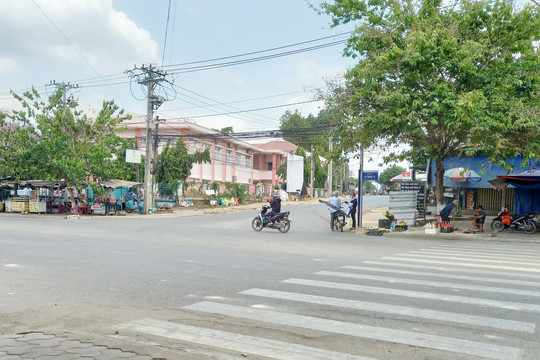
[[232, 160]]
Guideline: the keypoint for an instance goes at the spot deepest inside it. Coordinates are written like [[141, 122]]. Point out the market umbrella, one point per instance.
[[461, 174]]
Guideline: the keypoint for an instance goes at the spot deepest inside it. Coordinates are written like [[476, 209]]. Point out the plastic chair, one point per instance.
[[438, 221]]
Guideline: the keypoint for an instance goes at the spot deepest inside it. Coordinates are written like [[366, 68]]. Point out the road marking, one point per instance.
[[471, 259], [234, 341], [452, 269], [431, 283], [473, 348], [417, 294], [396, 310], [443, 252], [491, 249], [445, 276], [512, 268]]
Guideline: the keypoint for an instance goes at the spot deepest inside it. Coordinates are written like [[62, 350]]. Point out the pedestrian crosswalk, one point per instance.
[[449, 301]]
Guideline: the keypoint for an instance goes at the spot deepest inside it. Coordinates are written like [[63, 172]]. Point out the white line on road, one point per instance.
[[440, 284], [489, 351], [445, 276], [445, 316], [453, 270], [493, 249], [419, 295], [464, 264], [234, 341], [483, 255], [471, 259]]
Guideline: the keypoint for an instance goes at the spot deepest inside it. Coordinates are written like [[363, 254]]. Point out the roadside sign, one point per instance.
[[370, 176]]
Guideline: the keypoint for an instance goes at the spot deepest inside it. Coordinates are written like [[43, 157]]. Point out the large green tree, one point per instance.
[[175, 163], [440, 79], [52, 140]]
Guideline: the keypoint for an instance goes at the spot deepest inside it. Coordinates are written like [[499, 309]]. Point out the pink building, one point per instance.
[[233, 160]]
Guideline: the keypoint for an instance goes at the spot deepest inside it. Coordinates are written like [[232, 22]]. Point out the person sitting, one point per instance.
[[478, 218], [275, 204]]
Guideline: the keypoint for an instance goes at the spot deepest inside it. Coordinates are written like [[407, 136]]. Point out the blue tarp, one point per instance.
[[526, 193], [482, 166]]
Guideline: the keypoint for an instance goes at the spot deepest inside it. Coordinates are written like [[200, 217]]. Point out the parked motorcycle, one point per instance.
[[340, 216], [279, 221], [525, 222]]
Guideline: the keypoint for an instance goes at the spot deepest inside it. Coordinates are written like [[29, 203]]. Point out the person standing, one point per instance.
[[353, 204], [335, 206]]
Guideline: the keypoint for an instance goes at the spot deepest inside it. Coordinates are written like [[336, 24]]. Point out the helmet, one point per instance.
[[335, 193]]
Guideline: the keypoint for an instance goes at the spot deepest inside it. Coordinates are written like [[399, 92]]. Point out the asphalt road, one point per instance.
[[210, 287]]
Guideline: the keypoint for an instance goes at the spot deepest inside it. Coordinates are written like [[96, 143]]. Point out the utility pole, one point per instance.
[[330, 148], [151, 77], [64, 88], [311, 173], [360, 186]]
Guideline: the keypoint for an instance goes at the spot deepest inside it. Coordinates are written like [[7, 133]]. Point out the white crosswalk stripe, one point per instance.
[[371, 332], [430, 283], [236, 342], [482, 321], [504, 281]]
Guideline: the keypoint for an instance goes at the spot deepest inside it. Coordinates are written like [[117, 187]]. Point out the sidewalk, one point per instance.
[[37, 345], [462, 231]]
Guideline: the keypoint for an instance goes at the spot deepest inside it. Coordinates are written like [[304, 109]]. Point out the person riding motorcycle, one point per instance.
[[275, 205]]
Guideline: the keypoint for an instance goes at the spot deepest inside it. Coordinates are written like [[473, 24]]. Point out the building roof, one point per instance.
[[281, 145]]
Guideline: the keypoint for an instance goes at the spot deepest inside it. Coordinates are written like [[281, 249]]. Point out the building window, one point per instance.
[[194, 146], [269, 166], [248, 161], [228, 159], [238, 159], [217, 154]]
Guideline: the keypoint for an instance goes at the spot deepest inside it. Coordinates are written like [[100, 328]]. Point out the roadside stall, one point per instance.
[[119, 197]]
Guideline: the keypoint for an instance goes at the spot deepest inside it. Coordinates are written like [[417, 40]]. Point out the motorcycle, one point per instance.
[[340, 216], [278, 221], [526, 222]]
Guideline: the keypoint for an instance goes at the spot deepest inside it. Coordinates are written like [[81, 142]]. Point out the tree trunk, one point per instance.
[[72, 197], [439, 183]]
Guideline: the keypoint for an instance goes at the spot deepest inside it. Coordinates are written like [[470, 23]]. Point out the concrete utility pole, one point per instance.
[[151, 77], [64, 88], [311, 173], [330, 148]]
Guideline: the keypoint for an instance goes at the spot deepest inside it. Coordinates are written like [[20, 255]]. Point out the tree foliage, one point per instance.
[[52, 140], [388, 173], [445, 80], [175, 163]]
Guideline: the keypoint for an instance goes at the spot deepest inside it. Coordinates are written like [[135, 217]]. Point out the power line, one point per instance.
[[166, 32]]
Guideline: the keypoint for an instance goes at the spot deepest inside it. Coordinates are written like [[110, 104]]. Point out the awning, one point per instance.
[[119, 184]]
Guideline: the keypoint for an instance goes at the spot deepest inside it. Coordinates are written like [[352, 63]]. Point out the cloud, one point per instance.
[[72, 37]]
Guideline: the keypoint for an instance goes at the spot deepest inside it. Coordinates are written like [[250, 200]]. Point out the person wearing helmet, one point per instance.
[[336, 205], [275, 205]]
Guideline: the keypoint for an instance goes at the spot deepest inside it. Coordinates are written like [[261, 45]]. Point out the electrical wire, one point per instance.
[[166, 32]]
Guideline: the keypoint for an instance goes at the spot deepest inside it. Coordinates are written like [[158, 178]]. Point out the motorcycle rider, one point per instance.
[[275, 205], [336, 202]]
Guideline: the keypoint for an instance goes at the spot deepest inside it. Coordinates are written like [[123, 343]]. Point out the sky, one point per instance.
[[92, 45]]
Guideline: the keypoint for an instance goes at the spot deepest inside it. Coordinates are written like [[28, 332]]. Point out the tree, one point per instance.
[[388, 173], [444, 80], [52, 140], [175, 163]]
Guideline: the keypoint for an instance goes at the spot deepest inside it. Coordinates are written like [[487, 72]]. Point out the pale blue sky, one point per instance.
[[74, 41]]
